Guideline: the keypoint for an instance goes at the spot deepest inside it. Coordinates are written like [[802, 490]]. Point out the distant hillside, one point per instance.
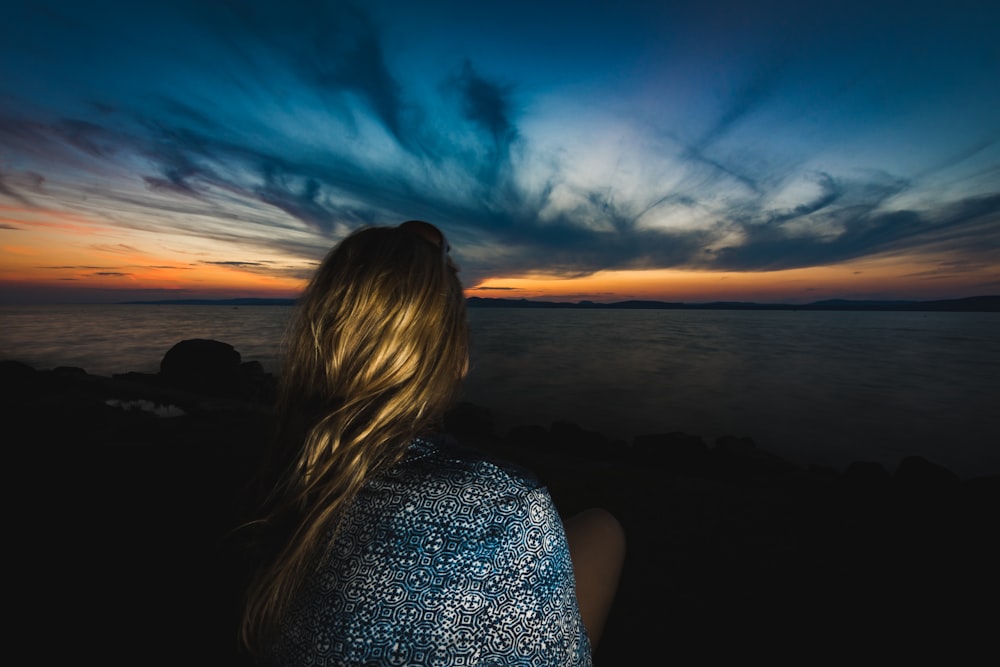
[[215, 302], [968, 304], [982, 304]]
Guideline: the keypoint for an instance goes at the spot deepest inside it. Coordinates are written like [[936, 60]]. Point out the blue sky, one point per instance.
[[770, 150]]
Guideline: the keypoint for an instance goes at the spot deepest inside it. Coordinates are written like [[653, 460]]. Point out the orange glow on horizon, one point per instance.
[[57, 250], [66, 252], [872, 278]]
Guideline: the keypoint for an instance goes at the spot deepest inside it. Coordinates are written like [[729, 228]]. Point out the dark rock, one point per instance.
[[822, 471], [984, 491], [467, 420], [674, 452], [200, 364], [867, 475], [730, 444], [69, 370], [17, 380], [135, 377], [570, 439], [255, 384], [863, 501], [709, 555], [527, 435], [11, 369], [918, 474], [738, 459]]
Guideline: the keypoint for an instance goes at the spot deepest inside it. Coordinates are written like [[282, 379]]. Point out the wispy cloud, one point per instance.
[[285, 126], [10, 192]]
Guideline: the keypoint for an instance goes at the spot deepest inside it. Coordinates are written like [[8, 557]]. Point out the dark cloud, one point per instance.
[[970, 227], [487, 104], [9, 192], [742, 103], [174, 182], [89, 138], [831, 191], [5, 191], [845, 221], [315, 192], [962, 153], [238, 264], [195, 160], [59, 143], [697, 156], [360, 66], [304, 197], [332, 47], [560, 247], [119, 248]]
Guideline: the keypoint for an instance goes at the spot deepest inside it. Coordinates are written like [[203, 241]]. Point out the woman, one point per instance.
[[391, 543]]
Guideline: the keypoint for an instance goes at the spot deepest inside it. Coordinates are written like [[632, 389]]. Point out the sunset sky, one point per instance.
[[685, 151]]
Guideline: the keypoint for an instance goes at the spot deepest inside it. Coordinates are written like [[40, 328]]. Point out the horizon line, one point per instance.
[[980, 303]]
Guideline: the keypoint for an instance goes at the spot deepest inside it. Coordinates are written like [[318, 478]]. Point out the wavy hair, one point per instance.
[[374, 356]]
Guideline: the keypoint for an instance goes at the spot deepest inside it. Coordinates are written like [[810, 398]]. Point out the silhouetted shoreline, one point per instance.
[[147, 474], [978, 304]]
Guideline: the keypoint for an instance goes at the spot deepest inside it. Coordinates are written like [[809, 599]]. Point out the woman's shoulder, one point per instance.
[[441, 460], [455, 490]]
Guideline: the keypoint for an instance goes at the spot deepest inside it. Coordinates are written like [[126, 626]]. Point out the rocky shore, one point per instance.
[[123, 491]]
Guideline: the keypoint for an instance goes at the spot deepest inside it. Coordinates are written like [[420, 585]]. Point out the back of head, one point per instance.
[[379, 345], [375, 354]]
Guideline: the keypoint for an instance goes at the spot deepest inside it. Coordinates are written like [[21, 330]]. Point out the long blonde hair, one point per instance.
[[375, 355]]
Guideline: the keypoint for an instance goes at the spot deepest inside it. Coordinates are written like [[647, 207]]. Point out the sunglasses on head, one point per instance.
[[432, 234]]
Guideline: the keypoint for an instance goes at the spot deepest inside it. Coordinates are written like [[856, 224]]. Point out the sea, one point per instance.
[[816, 387]]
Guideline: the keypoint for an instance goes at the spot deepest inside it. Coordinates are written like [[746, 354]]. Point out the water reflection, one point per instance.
[[818, 387]]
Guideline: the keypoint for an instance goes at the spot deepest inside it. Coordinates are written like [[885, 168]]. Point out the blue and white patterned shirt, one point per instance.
[[444, 559]]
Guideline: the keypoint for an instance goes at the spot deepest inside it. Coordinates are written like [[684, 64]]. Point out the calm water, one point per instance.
[[816, 387]]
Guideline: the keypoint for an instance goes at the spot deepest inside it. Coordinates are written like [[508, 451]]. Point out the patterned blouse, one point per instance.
[[445, 559]]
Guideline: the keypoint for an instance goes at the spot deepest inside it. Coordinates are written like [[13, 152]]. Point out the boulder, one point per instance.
[[867, 476], [17, 380], [915, 473], [674, 452], [202, 365], [571, 439], [467, 420]]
